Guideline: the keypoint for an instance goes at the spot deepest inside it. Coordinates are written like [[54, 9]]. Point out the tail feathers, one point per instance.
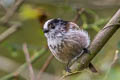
[[92, 68]]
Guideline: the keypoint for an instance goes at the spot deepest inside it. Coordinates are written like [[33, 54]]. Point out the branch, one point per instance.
[[4, 9], [79, 12], [9, 31], [5, 21], [115, 59], [11, 12], [20, 69], [99, 41], [44, 67], [25, 49]]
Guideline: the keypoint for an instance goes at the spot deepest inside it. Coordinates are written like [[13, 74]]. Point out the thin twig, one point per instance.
[[5, 9], [112, 64], [44, 67], [69, 74], [11, 12], [5, 21], [79, 12], [115, 58], [22, 67], [25, 49], [9, 31]]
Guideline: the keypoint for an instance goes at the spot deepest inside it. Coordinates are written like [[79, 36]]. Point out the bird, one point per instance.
[[66, 41]]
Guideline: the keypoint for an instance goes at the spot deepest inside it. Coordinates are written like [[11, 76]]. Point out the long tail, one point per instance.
[[92, 68]]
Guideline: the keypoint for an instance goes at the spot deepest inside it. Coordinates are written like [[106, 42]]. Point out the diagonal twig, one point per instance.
[[25, 49], [79, 12], [5, 21], [9, 31], [44, 67], [112, 64], [22, 67], [9, 14]]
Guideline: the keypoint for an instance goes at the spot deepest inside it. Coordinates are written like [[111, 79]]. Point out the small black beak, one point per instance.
[[45, 30]]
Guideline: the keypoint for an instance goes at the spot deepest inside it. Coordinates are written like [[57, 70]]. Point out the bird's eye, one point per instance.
[[52, 27]]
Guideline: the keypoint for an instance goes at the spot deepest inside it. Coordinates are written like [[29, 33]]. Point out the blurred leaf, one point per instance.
[[27, 12], [85, 26], [96, 28], [14, 54], [84, 19], [92, 12], [118, 45], [114, 74]]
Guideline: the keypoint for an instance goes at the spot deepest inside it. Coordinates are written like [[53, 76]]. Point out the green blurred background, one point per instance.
[[96, 15]]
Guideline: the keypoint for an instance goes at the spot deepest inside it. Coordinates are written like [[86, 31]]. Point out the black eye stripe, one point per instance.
[[51, 26]]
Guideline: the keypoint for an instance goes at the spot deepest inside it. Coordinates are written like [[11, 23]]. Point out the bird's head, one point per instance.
[[57, 27]]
